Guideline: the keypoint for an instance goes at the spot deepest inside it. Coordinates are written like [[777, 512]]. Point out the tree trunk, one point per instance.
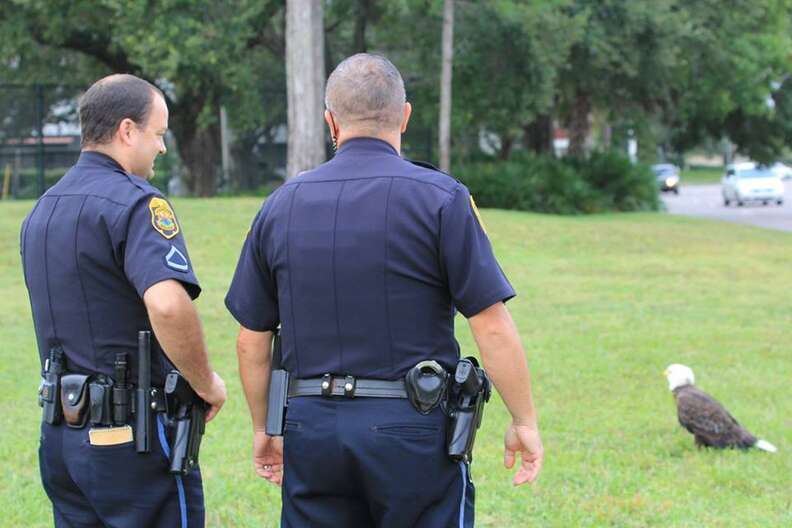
[[199, 150], [579, 124], [607, 136], [444, 128], [507, 143], [538, 135], [361, 20], [247, 173], [305, 81]]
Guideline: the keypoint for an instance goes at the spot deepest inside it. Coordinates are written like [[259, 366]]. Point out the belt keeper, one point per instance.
[[327, 385], [349, 387]]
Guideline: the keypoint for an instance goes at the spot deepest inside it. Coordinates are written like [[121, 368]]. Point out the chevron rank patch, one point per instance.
[[478, 215], [176, 260], [162, 218]]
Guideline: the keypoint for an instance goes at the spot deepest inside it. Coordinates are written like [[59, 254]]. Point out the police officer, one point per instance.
[[363, 262], [104, 257]]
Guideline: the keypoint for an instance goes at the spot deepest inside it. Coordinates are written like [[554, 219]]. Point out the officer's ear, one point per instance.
[[406, 117], [331, 124], [127, 130]]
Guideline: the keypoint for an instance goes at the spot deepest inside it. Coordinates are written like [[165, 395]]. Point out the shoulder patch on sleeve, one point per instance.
[[478, 215], [162, 218], [176, 260]]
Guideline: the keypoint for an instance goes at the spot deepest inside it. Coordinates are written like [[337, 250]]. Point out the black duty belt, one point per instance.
[[348, 386]]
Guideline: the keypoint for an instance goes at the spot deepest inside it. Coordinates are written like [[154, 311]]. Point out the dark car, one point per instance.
[[667, 176]]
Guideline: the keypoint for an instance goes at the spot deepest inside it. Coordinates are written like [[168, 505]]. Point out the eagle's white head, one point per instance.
[[678, 375]]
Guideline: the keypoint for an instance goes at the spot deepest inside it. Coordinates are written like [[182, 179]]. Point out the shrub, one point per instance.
[[622, 186], [26, 184], [604, 182]]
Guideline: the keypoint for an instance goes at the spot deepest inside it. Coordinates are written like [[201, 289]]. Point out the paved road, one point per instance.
[[705, 201]]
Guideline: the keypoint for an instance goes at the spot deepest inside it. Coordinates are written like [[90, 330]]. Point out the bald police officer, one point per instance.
[[363, 262], [104, 257]]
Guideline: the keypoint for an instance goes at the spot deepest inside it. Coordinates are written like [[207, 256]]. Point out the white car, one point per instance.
[[749, 182], [781, 170]]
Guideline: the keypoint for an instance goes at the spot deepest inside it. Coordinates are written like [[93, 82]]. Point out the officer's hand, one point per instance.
[[525, 440], [268, 456], [215, 395]]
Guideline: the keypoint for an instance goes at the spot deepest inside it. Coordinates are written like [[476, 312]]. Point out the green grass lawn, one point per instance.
[[604, 304], [700, 175]]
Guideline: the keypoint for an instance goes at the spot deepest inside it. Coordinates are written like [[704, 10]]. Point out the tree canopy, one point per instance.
[[684, 71], [200, 53]]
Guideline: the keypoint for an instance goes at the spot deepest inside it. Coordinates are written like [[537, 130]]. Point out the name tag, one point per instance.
[[106, 436]]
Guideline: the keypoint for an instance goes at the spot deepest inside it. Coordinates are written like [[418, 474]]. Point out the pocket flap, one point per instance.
[[74, 398]]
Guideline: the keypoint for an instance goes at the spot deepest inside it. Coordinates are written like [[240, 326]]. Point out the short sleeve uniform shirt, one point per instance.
[[93, 244], [363, 262]]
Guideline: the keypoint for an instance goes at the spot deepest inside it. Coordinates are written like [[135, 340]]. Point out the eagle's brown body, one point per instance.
[[708, 421]]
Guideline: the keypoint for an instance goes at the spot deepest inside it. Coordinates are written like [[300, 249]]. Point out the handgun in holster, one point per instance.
[[49, 390], [468, 391], [277, 399], [187, 413]]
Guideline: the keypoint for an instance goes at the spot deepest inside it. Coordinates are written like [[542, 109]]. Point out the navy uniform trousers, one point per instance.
[[114, 486], [364, 462]]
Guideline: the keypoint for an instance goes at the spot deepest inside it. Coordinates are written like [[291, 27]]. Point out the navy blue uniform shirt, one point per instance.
[[362, 261], [93, 244]]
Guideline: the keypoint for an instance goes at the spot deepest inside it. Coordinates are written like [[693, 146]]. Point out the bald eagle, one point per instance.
[[702, 415]]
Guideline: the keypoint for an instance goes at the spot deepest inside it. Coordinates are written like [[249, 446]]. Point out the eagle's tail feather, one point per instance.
[[764, 445]]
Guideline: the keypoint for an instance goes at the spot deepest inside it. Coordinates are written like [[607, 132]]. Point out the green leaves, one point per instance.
[[195, 47], [680, 71]]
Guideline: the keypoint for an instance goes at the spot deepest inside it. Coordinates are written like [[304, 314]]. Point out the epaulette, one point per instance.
[[427, 165]]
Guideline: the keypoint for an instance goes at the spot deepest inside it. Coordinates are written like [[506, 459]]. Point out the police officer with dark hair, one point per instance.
[[362, 262], [104, 258]]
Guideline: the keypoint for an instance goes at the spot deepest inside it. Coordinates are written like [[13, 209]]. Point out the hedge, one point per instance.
[[601, 183]]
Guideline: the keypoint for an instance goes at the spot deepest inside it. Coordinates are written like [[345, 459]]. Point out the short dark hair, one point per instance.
[[366, 90], [109, 101]]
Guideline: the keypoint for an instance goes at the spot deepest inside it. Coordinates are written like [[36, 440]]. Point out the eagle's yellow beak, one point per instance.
[[665, 373]]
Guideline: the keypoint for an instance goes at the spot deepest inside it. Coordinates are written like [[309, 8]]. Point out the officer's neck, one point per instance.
[[111, 151], [392, 138]]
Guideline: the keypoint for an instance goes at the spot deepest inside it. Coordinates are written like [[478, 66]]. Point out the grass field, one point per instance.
[[604, 304]]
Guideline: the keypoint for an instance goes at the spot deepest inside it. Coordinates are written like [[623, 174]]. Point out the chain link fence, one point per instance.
[[39, 136]]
